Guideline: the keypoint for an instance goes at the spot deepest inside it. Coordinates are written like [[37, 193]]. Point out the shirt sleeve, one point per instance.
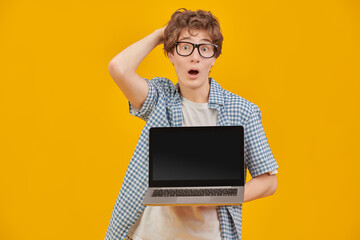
[[147, 107], [258, 156]]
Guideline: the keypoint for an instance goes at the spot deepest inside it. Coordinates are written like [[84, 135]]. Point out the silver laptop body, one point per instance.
[[201, 165]]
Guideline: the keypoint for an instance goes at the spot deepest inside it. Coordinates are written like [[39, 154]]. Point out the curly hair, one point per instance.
[[192, 20]]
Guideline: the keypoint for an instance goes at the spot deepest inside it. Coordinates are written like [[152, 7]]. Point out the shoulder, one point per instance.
[[240, 105], [163, 84]]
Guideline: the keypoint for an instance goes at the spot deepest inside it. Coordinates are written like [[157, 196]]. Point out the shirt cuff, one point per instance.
[[273, 172]]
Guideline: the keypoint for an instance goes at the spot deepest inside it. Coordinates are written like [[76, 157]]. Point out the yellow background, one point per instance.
[[66, 136]]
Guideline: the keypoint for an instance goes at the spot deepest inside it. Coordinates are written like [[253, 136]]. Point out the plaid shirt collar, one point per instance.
[[216, 101]]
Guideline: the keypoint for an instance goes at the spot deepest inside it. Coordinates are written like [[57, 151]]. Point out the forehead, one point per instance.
[[196, 35]]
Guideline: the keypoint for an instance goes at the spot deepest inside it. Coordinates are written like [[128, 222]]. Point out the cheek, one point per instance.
[[209, 65], [179, 65]]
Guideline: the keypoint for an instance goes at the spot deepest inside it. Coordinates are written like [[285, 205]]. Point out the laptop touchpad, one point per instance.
[[193, 199]]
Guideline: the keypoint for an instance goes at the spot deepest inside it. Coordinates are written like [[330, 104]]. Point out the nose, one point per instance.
[[195, 56]]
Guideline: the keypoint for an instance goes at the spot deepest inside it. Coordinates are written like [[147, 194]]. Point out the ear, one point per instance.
[[171, 57]]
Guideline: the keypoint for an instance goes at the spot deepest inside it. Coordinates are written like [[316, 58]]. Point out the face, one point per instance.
[[193, 70]]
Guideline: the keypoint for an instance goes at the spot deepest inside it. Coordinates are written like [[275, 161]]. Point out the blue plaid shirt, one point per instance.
[[162, 108]]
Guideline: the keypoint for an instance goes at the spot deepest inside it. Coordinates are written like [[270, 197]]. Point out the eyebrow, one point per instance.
[[188, 38]]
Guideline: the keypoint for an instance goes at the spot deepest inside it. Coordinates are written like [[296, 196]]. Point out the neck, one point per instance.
[[197, 95]]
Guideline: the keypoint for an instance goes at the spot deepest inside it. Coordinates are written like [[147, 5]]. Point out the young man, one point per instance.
[[192, 41]]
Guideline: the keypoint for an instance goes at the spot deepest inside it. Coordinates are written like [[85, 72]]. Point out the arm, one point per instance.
[[123, 67], [260, 186]]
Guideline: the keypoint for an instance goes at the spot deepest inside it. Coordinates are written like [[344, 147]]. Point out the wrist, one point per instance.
[[159, 35]]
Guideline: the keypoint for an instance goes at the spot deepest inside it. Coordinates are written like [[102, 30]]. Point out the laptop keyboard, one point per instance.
[[195, 192]]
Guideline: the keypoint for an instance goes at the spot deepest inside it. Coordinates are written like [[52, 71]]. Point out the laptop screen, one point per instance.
[[196, 156]]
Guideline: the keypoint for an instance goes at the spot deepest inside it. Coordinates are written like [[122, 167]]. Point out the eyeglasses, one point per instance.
[[206, 50]]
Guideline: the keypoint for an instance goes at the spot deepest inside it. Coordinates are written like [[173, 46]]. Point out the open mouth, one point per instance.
[[193, 72]]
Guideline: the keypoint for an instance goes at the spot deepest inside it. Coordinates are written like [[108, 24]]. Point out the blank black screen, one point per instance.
[[197, 153]]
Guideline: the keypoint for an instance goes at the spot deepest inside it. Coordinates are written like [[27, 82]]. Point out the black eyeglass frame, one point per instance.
[[196, 46]]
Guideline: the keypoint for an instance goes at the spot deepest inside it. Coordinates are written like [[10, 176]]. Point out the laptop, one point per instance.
[[202, 165]]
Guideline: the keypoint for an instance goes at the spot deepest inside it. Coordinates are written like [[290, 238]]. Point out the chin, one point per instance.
[[193, 83]]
